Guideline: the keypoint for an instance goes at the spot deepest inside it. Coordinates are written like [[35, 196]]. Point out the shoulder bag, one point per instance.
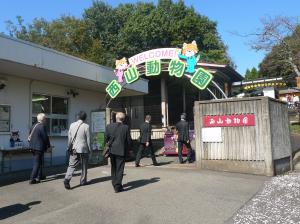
[[70, 146], [29, 137]]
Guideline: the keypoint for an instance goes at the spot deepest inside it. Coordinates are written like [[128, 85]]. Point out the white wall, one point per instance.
[[17, 94]]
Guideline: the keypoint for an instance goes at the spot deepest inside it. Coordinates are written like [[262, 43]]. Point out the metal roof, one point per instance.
[[32, 61]]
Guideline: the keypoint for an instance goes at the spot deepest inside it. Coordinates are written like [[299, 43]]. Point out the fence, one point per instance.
[[156, 134]]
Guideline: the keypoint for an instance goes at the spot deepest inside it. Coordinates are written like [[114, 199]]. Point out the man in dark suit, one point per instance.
[[38, 143], [118, 136], [183, 138], [145, 141]]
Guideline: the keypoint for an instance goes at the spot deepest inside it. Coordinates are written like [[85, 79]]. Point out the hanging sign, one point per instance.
[[183, 62]]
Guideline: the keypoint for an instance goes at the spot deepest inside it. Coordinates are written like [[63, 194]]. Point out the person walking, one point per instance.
[[38, 143], [145, 141], [183, 138], [117, 135], [79, 138]]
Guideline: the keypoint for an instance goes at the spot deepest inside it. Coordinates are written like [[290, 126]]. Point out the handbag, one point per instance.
[[70, 146], [106, 151], [107, 147]]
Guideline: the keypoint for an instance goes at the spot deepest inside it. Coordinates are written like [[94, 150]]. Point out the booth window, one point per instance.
[[56, 110], [4, 118]]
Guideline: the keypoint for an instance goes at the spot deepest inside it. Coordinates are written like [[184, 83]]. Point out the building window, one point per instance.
[[4, 118], [56, 110]]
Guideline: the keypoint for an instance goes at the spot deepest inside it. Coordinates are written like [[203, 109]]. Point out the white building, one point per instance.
[[36, 79]]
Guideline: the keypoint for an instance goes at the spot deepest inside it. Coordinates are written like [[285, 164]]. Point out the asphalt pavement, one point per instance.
[[171, 193]]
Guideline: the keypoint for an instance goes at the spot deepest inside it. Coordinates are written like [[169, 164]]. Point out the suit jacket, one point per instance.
[[183, 131], [145, 130], [39, 140], [82, 141], [121, 135]]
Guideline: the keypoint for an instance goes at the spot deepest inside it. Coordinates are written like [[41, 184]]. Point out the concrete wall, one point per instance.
[[18, 93]]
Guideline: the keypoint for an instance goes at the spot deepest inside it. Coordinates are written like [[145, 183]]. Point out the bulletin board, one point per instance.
[[98, 123]]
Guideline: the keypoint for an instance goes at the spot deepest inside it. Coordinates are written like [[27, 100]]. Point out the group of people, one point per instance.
[[291, 100], [117, 136]]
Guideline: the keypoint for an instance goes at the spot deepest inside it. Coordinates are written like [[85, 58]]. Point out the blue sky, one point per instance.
[[242, 16]]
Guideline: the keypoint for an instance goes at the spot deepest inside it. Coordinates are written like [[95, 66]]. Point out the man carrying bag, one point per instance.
[[117, 135], [79, 149], [38, 143]]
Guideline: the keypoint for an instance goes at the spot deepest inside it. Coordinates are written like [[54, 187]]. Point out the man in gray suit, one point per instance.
[[79, 135]]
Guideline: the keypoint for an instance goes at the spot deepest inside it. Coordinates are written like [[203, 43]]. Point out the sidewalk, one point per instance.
[[163, 194]]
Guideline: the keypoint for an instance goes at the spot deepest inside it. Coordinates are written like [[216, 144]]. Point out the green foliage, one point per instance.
[[295, 128], [253, 74], [276, 62], [106, 33]]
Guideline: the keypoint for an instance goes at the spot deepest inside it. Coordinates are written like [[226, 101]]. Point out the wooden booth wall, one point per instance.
[[261, 149]]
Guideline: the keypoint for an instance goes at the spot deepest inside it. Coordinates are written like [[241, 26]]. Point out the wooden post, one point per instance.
[[183, 99], [298, 81], [226, 89], [107, 115], [267, 138], [167, 108], [197, 133], [163, 101]]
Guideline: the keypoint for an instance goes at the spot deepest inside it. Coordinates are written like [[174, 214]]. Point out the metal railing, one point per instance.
[[156, 134]]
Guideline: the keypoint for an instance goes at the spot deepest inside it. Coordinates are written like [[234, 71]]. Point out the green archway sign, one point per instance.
[[177, 62]]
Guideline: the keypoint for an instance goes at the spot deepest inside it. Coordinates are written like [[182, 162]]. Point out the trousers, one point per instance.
[[188, 146], [142, 147], [37, 170], [74, 160], [117, 170]]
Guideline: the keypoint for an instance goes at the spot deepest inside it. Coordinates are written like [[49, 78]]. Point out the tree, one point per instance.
[[280, 38], [253, 74], [106, 33]]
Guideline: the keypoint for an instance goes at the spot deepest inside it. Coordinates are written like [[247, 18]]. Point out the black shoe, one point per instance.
[[67, 184], [118, 190], [84, 183], [137, 165], [38, 181], [155, 164], [43, 177], [33, 181]]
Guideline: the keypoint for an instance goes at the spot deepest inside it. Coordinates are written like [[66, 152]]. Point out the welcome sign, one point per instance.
[[161, 53], [182, 62]]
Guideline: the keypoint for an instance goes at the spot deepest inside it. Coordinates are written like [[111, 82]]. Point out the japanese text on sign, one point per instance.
[[229, 120]]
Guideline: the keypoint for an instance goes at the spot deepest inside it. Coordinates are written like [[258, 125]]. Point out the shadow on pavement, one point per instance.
[[59, 176], [94, 181], [165, 163], [12, 210], [139, 183]]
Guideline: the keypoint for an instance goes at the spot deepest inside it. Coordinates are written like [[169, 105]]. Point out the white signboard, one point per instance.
[[98, 121], [212, 134]]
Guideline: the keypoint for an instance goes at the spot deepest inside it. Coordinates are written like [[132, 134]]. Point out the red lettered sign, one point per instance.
[[229, 120]]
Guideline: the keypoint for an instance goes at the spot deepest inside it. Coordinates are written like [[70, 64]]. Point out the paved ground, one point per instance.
[[165, 194]]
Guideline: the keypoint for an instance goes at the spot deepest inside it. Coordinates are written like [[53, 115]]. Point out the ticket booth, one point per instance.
[[248, 135]]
